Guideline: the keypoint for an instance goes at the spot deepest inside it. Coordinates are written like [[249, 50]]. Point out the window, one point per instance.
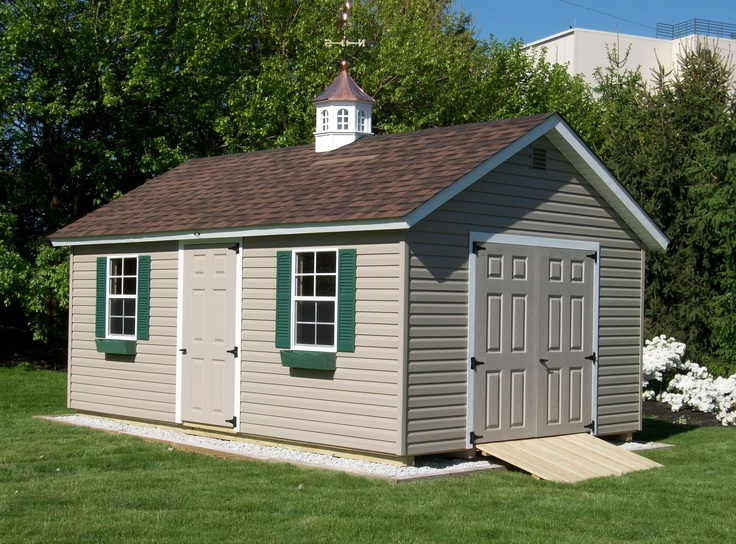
[[342, 119], [325, 120], [315, 300], [122, 288], [361, 121], [315, 297], [122, 302]]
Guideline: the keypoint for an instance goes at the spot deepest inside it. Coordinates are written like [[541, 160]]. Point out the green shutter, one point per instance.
[[144, 296], [283, 299], [346, 300], [100, 301]]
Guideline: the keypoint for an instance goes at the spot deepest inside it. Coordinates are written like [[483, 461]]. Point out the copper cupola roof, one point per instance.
[[344, 88]]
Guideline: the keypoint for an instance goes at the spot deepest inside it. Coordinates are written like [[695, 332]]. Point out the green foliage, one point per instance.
[[672, 145], [13, 268], [96, 97], [39, 286], [45, 297], [713, 174]]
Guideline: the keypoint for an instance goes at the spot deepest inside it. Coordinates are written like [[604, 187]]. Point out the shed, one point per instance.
[[391, 295]]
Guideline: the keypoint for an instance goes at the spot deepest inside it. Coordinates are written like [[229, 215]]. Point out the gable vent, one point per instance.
[[539, 158]]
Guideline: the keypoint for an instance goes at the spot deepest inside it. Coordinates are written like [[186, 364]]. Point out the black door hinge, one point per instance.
[[477, 247], [593, 357], [234, 351], [591, 426], [593, 256], [233, 421], [474, 363], [235, 248], [474, 437]]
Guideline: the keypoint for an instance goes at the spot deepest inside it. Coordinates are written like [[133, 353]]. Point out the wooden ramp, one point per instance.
[[569, 458]]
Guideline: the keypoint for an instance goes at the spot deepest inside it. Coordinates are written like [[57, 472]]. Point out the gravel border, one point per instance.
[[425, 467]]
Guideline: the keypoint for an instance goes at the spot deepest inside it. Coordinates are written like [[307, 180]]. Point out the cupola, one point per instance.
[[344, 113]]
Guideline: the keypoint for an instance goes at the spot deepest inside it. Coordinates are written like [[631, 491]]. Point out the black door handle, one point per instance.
[[183, 351]]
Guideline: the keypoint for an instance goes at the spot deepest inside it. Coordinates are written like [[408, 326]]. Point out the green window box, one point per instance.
[[312, 360], [117, 347]]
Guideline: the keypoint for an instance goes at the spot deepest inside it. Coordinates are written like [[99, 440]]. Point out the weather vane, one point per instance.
[[342, 25]]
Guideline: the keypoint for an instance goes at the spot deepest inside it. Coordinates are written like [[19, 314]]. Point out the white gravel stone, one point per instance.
[[425, 466]]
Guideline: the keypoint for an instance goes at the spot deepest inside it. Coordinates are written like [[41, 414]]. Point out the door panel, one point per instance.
[[534, 323], [208, 332], [567, 288], [506, 344]]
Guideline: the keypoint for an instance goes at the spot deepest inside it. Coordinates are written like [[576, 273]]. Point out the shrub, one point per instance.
[[669, 379]]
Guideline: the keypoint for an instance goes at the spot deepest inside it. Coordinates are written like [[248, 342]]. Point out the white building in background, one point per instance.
[[582, 50]]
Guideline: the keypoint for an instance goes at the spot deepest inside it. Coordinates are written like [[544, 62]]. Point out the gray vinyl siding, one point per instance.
[[142, 386], [357, 406], [514, 199]]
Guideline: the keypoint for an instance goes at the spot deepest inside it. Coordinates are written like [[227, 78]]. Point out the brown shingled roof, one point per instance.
[[374, 178]]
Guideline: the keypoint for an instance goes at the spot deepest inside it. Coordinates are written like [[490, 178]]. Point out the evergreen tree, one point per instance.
[[669, 145]]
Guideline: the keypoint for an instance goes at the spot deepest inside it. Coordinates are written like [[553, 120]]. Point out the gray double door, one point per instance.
[[533, 341], [209, 354]]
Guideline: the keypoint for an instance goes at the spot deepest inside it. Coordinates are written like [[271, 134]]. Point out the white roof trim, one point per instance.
[[276, 230], [603, 181]]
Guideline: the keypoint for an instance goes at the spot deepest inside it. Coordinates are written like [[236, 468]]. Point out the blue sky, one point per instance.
[[531, 20]]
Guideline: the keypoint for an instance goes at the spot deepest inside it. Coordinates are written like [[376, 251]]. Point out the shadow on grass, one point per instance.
[[656, 429]]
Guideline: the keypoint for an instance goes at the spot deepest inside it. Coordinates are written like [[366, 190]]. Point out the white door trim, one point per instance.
[[238, 321], [537, 241]]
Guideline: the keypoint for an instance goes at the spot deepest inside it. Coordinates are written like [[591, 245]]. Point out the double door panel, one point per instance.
[[533, 342]]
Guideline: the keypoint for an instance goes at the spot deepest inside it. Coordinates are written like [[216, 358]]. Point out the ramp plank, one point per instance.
[[568, 458]]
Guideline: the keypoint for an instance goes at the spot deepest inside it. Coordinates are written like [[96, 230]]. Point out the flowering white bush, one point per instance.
[[661, 355], [691, 385]]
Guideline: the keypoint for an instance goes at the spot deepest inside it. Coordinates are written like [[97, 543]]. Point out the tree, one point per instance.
[[670, 145], [96, 97]]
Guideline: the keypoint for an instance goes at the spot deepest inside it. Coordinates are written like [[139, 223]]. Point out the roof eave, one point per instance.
[[243, 232]]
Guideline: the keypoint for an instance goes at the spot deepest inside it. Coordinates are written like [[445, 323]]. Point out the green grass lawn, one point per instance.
[[61, 483]]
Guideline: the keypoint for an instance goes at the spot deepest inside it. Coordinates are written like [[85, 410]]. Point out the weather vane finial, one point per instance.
[[342, 25]]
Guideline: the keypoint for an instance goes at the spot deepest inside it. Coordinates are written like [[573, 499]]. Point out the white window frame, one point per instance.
[[361, 121], [297, 298], [109, 297], [343, 119], [325, 120]]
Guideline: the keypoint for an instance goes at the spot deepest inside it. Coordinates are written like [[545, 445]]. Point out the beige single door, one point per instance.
[[209, 352], [533, 342]]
